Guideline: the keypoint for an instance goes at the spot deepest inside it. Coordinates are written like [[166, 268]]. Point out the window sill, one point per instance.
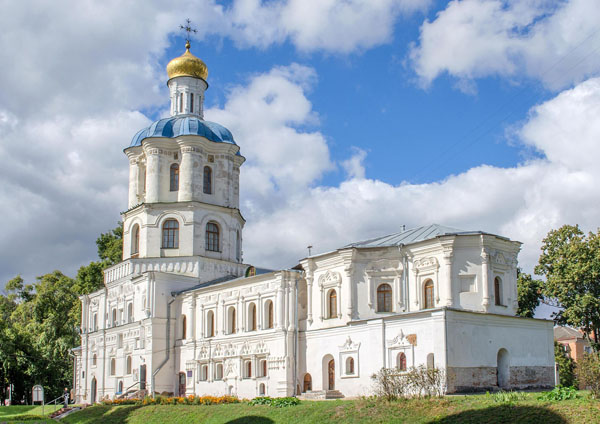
[[349, 376]]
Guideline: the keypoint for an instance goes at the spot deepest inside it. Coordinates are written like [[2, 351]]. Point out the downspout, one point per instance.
[[104, 343], [445, 347], [296, 337], [168, 343]]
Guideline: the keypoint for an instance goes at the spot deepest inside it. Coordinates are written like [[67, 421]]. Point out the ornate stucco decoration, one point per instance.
[[426, 264], [383, 271], [349, 346], [327, 281]]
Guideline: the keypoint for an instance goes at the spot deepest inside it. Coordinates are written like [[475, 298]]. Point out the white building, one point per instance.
[[183, 314]]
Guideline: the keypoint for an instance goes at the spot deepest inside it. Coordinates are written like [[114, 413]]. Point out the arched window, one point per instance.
[[498, 291], [113, 366], [212, 237], [130, 312], [401, 361], [207, 183], [238, 246], [384, 298], [248, 369], [231, 324], [428, 295], [219, 372], [135, 240], [191, 102], [174, 177], [128, 364], [263, 368], [204, 373], [180, 102], [210, 324], [170, 234], [430, 361], [94, 360], [183, 327], [114, 316], [95, 323], [350, 366], [269, 314], [261, 389], [120, 387], [332, 304], [252, 317]]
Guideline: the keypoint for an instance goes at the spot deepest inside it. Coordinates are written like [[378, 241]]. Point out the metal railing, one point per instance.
[[61, 398]]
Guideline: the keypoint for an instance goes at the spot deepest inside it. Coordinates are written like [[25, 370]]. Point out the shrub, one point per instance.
[[559, 393], [588, 372], [506, 397], [276, 402], [566, 366], [392, 384]]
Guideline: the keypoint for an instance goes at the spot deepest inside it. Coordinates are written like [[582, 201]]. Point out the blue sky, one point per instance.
[[356, 117]]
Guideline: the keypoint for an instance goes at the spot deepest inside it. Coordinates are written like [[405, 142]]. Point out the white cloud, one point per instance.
[[555, 42], [318, 25]]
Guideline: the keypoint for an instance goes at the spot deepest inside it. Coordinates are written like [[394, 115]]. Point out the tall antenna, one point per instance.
[[309, 249]]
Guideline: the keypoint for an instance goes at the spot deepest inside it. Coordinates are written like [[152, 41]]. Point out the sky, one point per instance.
[[356, 117]]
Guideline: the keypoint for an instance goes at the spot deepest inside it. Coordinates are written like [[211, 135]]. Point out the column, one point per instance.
[[448, 269], [152, 175], [417, 291], [280, 306], [192, 329], [201, 321], [485, 263], [133, 182], [349, 292], [186, 175], [309, 302], [223, 317], [259, 312], [292, 305]]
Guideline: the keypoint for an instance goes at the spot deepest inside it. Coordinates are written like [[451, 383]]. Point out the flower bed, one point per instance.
[[183, 400]]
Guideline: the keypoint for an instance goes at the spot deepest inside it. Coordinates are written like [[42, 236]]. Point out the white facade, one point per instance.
[[183, 315]]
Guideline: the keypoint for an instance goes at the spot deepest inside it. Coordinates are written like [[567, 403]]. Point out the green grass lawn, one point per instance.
[[25, 413], [454, 409]]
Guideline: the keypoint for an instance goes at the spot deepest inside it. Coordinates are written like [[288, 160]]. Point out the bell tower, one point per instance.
[[184, 178]]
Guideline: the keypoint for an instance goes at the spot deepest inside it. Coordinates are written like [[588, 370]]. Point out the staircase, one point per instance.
[[321, 395]]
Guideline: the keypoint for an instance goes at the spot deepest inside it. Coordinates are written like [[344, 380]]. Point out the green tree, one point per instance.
[[566, 366], [529, 294], [110, 251], [570, 261]]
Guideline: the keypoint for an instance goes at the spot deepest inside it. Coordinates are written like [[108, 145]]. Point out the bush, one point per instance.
[[506, 397], [559, 393], [588, 373], [392, 384], [276, 402]]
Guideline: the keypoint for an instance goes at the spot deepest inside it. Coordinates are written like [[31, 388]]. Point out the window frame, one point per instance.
[[170, 234], [174, 177], [385, 296], [207, 180], [212, 235], [428, 294], [332, 311]]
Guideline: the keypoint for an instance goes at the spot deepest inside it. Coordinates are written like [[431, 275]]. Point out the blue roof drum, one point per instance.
[[188, 125]]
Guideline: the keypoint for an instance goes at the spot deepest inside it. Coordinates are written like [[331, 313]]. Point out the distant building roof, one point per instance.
[[415, 235], [567, 333]]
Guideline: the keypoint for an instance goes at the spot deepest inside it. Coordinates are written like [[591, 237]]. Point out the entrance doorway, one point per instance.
[[307, 383], [331, 374], [93, 394], [181, 384], [503, 369], [142, 377]]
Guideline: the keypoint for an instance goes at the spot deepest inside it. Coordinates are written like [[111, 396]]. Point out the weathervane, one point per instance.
[[188, 29]]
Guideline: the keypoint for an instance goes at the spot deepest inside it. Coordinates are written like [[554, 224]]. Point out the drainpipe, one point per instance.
[[168, 343], [296, 336]]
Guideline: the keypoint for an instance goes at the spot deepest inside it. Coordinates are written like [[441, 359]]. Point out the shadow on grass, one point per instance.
[[101, 414], [251, 419], [504, 414]]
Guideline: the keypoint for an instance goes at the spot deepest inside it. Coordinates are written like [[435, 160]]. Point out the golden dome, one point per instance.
[[187, 65]]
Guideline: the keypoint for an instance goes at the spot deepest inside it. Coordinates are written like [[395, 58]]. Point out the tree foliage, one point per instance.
[[566, 366], [529, 293], [570, 261], [39, 322]]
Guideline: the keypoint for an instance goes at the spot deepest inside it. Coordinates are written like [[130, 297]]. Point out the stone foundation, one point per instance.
[[479, 379]]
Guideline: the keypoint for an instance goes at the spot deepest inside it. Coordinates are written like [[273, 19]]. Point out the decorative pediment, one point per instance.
[[499, 259], [229, 368], [426, 263], [203, 352], [261, 347], [330, 278], [245, 349], [349, 345], [403, 340], [219, 351], [384, 266]]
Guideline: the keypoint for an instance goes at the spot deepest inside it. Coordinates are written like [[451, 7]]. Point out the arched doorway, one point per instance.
[[307, 383], [181, 384], [503, 369], [331, 374], [142, 377], [93, 390], [328, 369]]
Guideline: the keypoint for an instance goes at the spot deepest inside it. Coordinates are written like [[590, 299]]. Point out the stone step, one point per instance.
[[321, 394]]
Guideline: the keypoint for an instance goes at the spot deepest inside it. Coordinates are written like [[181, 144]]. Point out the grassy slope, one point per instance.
[[463, 409]]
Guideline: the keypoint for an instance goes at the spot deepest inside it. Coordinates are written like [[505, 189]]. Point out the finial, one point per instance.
[[188, 29]]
